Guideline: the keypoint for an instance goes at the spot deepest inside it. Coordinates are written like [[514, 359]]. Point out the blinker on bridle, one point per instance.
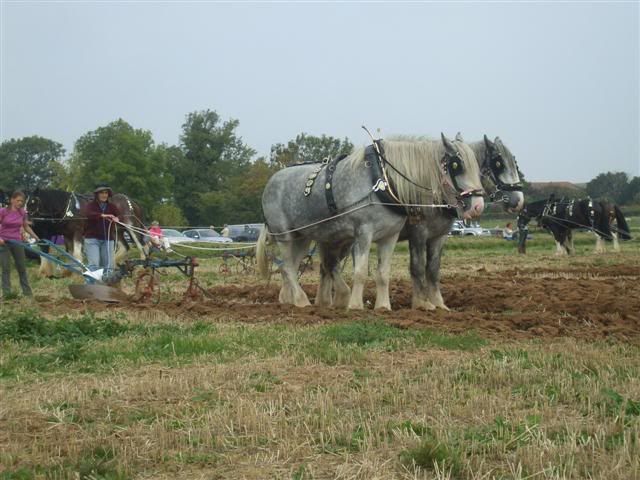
[[495, 167], [453, 165]]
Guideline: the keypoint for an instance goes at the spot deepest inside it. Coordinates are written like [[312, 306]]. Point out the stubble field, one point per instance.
[[534, 373]]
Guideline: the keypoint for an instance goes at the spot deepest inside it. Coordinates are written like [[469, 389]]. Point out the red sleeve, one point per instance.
[[92, 211]]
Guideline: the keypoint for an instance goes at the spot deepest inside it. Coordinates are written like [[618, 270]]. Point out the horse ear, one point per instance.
[[447, 144], [488, 143], [498, 141], [459, 137]]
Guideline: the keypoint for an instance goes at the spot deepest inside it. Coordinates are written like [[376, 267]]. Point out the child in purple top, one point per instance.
[[13, 219]]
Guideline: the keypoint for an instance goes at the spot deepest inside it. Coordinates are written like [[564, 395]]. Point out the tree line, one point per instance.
[[210, 178]]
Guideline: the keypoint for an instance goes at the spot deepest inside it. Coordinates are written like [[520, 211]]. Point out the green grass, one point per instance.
[[85, 344]]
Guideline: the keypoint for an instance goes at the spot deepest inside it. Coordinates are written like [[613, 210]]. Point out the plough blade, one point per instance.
[[102, 293]]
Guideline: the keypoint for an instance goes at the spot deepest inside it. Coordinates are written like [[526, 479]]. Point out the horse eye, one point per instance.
[[455, 165]]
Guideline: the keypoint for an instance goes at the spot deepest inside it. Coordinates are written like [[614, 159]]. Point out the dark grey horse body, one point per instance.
[[295, 220], [428, 237]]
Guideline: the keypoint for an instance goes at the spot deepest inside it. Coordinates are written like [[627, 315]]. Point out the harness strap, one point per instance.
[[328, 185], [382, 185]]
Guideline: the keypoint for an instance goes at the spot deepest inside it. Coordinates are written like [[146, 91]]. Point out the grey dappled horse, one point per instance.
[[428, 228], [343, 208], [428, 235]]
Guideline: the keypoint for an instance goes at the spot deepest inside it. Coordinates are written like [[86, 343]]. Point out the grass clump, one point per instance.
[[433, 455]]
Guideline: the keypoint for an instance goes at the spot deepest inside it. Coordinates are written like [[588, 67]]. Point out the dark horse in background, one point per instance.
[[561, 216], [57, 212]]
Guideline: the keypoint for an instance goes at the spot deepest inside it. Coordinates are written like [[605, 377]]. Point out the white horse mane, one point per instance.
[[418, 158]]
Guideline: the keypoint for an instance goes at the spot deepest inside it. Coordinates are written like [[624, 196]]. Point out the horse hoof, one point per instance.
[[423, 305]]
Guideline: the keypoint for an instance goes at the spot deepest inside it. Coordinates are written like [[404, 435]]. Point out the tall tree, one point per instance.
[[241, 199], [611, 186], [632, 192], [29, 162], [308, 148], [213, 154], [125, 158]]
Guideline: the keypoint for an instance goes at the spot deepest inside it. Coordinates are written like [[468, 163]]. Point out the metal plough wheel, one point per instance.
[[148, 286]]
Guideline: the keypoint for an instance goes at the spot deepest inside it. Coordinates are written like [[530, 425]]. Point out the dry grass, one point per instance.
[[271, 403]]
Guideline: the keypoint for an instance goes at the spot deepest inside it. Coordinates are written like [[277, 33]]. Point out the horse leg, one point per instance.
[[385, 253], [418, 268], [599, 244], [568, 243], [361, 259], [434, 254], [46, 267], [292, 254], [341, 291], [323, 294], [616, 244]]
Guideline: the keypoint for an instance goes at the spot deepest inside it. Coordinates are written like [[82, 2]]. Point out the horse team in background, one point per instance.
[[561, 216]]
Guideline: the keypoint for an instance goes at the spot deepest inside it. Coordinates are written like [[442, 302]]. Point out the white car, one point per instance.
[[174, 236], [459, 228], [206, 235]]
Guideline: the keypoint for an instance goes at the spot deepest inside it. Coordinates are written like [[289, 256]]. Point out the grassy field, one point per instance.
[[143, 393]]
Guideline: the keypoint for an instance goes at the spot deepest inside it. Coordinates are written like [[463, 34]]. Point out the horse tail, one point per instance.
[[262, 260], [623, 228]]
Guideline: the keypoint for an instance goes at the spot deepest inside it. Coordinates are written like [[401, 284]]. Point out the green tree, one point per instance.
[[212, 154], [632, 192], [125, 158], [241, 199], [29, 162], [308, 148], [168, 214], [611, 186]]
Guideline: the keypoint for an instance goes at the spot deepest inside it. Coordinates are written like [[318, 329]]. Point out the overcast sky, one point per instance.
[[558, 82]]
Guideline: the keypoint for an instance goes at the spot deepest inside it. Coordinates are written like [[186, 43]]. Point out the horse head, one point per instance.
[[460, 167], [501, 168], [33, 202]]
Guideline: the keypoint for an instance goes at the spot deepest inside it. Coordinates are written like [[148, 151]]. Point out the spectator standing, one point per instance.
[[13, 221]]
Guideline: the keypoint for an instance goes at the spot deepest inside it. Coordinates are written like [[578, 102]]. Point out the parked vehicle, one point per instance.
[[206, 235], [248, 232], [174, 236], [459, 228]]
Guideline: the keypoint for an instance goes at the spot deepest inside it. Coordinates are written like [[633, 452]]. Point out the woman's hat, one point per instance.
[[155, 222], [101, 187]]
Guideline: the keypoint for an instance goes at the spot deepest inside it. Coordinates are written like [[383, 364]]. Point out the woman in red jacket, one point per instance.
[[100, 232]]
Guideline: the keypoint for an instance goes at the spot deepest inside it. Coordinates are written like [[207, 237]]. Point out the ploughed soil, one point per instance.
[[583, 302]]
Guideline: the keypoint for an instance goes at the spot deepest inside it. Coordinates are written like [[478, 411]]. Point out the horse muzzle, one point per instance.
[[473, 204], [512, 202]]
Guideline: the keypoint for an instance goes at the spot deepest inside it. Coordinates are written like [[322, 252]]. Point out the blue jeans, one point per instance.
[[100, 254]]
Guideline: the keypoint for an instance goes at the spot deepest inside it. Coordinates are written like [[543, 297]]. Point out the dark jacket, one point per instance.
[[96, 226]]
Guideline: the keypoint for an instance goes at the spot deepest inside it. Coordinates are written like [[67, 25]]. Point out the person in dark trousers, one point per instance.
[[13, 221], [100, 231]]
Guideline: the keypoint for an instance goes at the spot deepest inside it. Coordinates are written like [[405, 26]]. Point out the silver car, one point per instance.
[[174, 236], [206, 235]]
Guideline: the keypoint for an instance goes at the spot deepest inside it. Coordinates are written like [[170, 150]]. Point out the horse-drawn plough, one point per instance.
[[147, 274]]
